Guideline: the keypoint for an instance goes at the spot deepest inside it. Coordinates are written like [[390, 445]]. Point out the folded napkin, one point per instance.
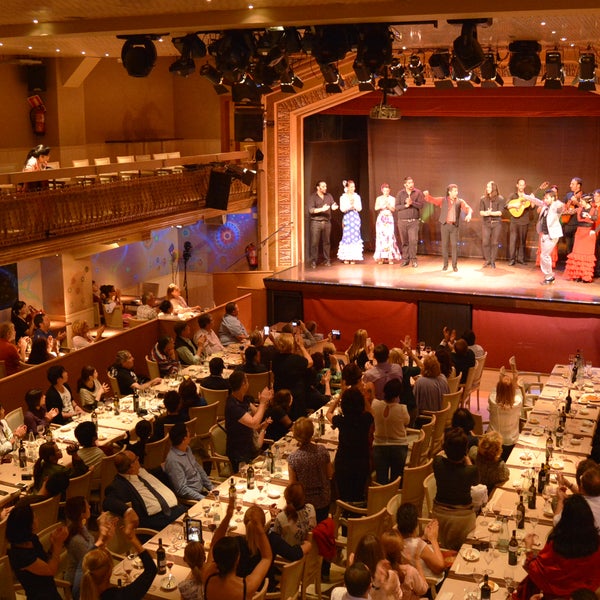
[[479, 495]]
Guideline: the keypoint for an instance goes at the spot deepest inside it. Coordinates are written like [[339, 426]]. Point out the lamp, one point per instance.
[[554, 75], [216, 78], [416, 69], [328, 44], [462, 76], [333, 80], [190, 46], [439, 63], [373, 52], [138, 54], [587, 72], [232, 53], [467, 49], [393, 81], [489, 72], [524, 63], [246, 176]]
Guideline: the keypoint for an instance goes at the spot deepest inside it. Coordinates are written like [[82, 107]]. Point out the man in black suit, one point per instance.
[[155, 504]]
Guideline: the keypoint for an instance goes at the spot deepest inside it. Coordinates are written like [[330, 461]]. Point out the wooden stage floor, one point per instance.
[[503, 287]]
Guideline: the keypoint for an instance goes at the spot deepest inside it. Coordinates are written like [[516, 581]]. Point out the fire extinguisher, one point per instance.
[[252, 256], [37, 115]]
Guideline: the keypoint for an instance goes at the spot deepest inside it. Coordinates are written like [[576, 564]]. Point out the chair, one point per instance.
[[114, 385], [437, 435], [79, 486], [377, 498], [15, 418], [527, 380], [105, 177], [153, 369], [478, 429], [429, 491], [2, 369], [312, 570], [218, 452], [262, 593], [453, 383], [3, 538], [476, 384], [7, 588], [357, 528], [453, 400], [257, 382], [119, 546], [107, 472], [290, 582], [466, 388], [84, 179], [216, 397], [114, 319], [414, 460], [205, 416], [126, 175], [46, 511], [156, 452], [133, 322], [412, 483], [428, 429]]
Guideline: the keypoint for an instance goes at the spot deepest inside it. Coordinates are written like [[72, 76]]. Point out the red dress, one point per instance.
[[581, 261]]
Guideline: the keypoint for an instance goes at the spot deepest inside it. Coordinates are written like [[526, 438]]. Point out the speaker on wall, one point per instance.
[[36, 78], [217, 195], [248, 125]]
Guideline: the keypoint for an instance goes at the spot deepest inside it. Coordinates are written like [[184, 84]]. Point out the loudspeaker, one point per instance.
[[217, 195], [36, 78], [248, 125]]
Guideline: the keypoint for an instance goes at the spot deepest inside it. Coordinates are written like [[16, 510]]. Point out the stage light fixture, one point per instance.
[[393, 81], [328, 43], [233, 52], [439, 63], [288, 81], [467, 49], [587, 72], [489, 72], [190, 46], [374, 51], [246, 176], [416, 69], [462, 76], [554, 75], [138, 54], [216, 78], [524, 63], [333, 80], [247, 90]]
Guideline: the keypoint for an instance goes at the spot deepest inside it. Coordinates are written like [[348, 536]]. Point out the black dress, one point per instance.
[[290, 372]]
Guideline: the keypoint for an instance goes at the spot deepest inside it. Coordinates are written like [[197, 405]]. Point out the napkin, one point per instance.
[[479, 495]]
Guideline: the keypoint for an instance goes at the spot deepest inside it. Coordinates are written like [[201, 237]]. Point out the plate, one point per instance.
[[493, 585], [101, 437], [537, 431], [525, 457], [495, 527], [557, 464], [576, 441], [170, 585], [584, 411], [470, 554], [589, 397], [273, 495], [534, 420]]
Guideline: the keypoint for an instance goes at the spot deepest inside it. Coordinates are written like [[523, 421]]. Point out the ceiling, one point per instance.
[[78, 27]]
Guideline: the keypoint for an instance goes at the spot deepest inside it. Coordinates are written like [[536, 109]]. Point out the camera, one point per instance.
[[193, 530], [336, 334], [266, 330]]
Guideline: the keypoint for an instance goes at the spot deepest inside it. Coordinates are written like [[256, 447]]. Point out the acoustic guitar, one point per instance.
[[517, 206], [570, 209]]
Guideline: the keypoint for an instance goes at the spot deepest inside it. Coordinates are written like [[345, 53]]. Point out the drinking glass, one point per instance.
[[128, 566], [260, 484], [421, 347], [534, 522], [509, 581], [239, 505], [477, 578], [484, 513], [168, 582], [40, 430]]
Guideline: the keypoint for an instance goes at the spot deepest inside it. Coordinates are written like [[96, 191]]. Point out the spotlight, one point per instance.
[[246, 176], [334, 82], [246, 90], [416, 69], [462, 76], [216, 78], [393, 81], [466, 47], [524, 64], [554, 76], [232, 53], [489, 72], [138, 54], [373, 52], [587, 72], [439, 63], [190, 46]]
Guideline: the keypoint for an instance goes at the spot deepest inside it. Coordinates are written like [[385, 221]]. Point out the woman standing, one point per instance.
[[22, 318], [361, 349], [490, 209], [80, 540], [431, 386], [385, 237], [582, 260], [505, 404], [351, 244]]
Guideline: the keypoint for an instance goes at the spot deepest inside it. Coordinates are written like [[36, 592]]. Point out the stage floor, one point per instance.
[[518, 286]]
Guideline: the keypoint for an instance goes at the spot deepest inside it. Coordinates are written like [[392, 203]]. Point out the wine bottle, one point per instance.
[[486, 590], [95, 419], [541, 479], [321, 423], [22, 456], [568, 402], [232, 490], [186, 518], [531, 500], [549, 446], [250, 477], [513, 549], [520, 513], [136, 401], [560, 434], [161, 558]]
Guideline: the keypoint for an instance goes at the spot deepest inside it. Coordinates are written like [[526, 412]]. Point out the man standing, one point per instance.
[[383, 371], [320, 204], [550, 229], [518, 206], [408, 208], [451, 207]]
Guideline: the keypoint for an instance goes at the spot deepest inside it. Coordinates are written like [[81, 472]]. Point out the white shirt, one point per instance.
[[506, 420], [152, 504]]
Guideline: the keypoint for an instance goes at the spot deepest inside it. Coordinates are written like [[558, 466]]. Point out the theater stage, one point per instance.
[[508, 306]]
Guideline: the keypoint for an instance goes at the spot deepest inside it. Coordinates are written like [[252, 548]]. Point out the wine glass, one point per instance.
[[40, 430], [128, 566], [547, 495], [239, 505], [168, 582], [216, 494], [477, 577], [509, 581], [243, 468], [488, 556], [260, 484], [206, 510], [484, 509], [534, 522], [267, 478]]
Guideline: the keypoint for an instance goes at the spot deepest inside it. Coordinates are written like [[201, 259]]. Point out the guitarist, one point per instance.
[[569, 218], [519, 206]]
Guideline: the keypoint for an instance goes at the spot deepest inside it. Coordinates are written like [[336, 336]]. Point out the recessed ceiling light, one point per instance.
[[250, 6], [35, 21], [58, 49], [553, 32], [572, 45], [106, 54], [543, 23], [563, 39], [29, 47], [160, 39], [1, 44]]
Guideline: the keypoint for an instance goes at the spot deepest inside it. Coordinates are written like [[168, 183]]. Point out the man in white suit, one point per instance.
[[550, 230]]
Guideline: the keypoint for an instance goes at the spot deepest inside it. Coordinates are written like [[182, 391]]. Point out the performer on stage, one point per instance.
[[549, 227], [569, 217], [351, 245], [451, 207], [386, 247], [597, 231], [410, 200], [490, 209], [581, 261], [518, 206], [320, 204]]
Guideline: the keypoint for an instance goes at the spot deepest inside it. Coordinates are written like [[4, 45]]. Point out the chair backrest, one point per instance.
[[105, 160], [125, 159], [478, 427], [379, 495], [114, 385], [428, 429], [46, 511], [15, 418], [115, 318], [174, 154], [2, 369], [82, 162], [206, 417], [429, 491], [257, 382], [215, 397], [55, 164], [262, 593], [3, 537], [7, 589], [480, 365], [453, 383], [155, 453], [218, 440], [191, 426], [437, 436], [467, 386], [412, 483], [80, 486], [160, 156], [312, 570], [291, 578], [342, 358], [108, 472], [139, 157], [357, 528], [453, 399], [153, 369], [414, 460]]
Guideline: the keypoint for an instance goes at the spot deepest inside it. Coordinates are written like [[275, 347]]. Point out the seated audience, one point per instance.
[[165, 309], [41, 324], [231, 330], [357, 579], [454, 476], [81, 334], [87, 436], [110, 298], [505, 405], [445, 359], [36, 414], [190, 398], [431, 386], [215, 381], [188, 352], [21, 316], [33, 567], [463, 418], [587, 476], [188, 478], [47, 464], [39, 352], [469, 337], [279, 413], [172, 402], [147, 310], [143, 431], [178, 301], [90, 388], [59, 395], [487, 457], [191, 587], [462, 359], [297, 519], [79, 541], [128, 380], [154, 503], [10, 352], [361, 349], [243, 420], [164, 355], [383, 371], [54, 485], [206, 337], [8, 439], [308, 331], [251, 361]]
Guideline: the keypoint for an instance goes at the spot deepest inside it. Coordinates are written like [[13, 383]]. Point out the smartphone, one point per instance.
[[294, 323], [193, 530], [266, 330], [336, 334]]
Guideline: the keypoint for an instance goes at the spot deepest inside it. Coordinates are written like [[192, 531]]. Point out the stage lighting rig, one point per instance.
[[467, 49], [138, 54], [373, 52], [587, 72], [439, 63], [489, 71], [416, 69], [524, 63], [554, 76]]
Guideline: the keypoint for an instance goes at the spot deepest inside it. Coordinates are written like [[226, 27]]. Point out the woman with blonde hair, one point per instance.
[[82, 336], [191, 587], [361, 348], [487, 457], [431, 386], [505, 404]]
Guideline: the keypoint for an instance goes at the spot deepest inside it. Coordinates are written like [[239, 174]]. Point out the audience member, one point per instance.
[[215, 381], [11, 352], [431, 386], [267, 349], [206, 337], [165, 309], [172, 402], [279, 413], [41, 324], [588, 485], [81, 334], [469, 337], [505, 405], [231, 330], [191, 587], [79, 541], [357, 579], [463, 418], [36, 414], [444, 357], [110, 298], [128, 380], [21, 316], [59, 395], [47, 464], [8, 438], [178, 301], [188, 352], [143, 431], [190, 398], [487, 457], [297, 519], [147, 310], [361, 348], [383, 371], [90, 389], [251, 361], [164, 355], [412, 366], [39, 352], [87, 436], [463, 359]]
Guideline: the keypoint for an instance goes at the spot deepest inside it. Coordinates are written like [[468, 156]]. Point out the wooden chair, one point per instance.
[[218, 452], [428, 429], [130, 174], [7, 587], [115, 318], [14, 418], [156, 452], [453, 383], [412, 483], [119, 546], [257, 382], [476, 383], [262, 593], [530, 382], [107, 472], [377, 498], [153, 369], [466, 388], [414, 459], [478, 429], [206, 417], [312, 570], [429, 491], [453, 399], [79, 486], [105, 177], [3, 537], [357, 528], [437, 436], [290, 582], [46, 511], [216, 397], [114, 385]]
